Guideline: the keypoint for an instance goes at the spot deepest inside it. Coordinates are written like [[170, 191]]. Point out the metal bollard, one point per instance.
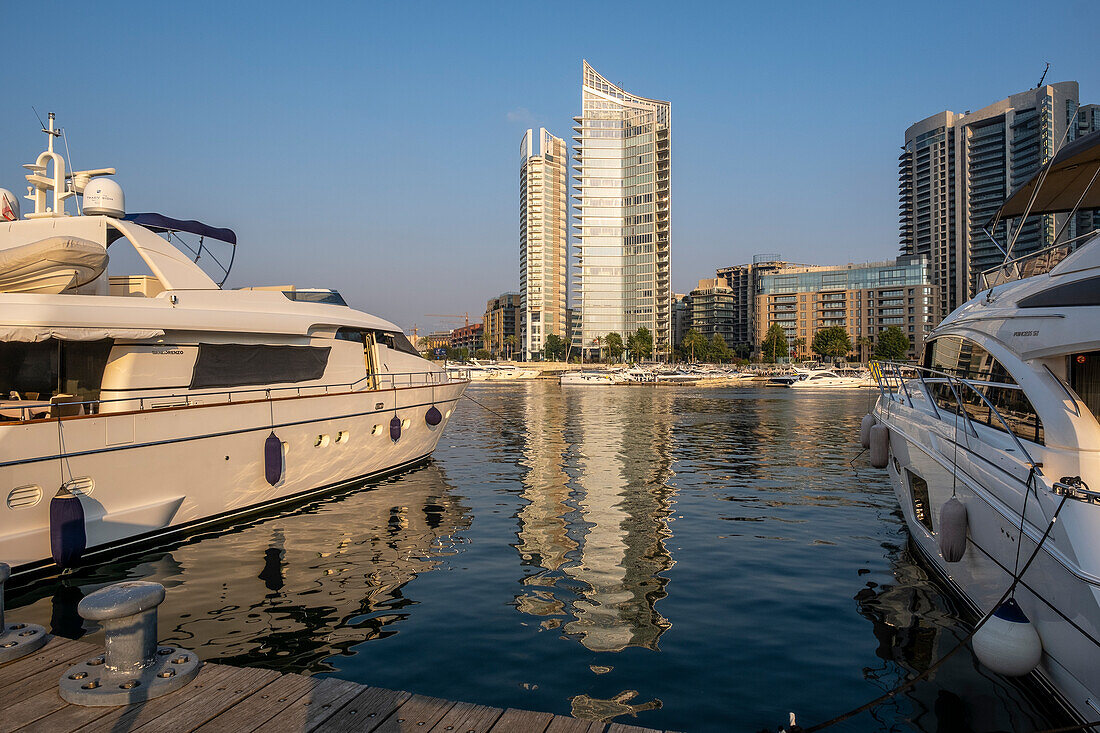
[[16, 640], [133, 667]]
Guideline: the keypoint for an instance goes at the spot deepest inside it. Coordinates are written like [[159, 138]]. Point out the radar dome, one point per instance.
[[9, 206], [102, 196]]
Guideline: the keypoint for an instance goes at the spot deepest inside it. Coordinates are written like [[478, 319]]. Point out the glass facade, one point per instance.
[[622, 271]]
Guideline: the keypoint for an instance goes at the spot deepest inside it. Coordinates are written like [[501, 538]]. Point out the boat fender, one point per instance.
[[865, 430], [880, 445], [952, 534], [68, 536], [433, 417], [1008, 643], [395, 429], [273, 459]]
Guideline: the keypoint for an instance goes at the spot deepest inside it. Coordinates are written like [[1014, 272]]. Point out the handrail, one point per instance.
[[426, 378], [952, 381]]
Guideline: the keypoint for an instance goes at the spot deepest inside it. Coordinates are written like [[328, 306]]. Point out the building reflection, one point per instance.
[[596, 471], [287, 591]]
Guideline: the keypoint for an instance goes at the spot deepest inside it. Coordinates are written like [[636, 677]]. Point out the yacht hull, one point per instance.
[[144, 474], [1061, 598]]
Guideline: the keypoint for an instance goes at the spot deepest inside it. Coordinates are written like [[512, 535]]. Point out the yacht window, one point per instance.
[[918, 493], [238, 365], [326, 297], [967, 360], [1079, 293], [48, 368], [1084, 370], [398, 342]]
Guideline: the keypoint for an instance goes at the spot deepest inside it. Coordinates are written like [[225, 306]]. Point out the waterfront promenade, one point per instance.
[[251, 700]]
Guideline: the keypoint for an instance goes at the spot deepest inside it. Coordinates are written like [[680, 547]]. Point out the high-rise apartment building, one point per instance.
[[543, 204], [957, 169], [622, 275]]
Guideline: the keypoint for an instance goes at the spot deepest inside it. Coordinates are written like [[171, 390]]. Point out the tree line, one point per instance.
[[834, 343]]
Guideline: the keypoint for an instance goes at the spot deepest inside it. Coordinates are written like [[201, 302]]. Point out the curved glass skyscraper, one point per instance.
[[622, 172]]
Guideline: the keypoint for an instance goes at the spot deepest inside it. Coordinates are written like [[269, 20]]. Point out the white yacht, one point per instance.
[[1002, 416], [133, 406], [589, 378], [828, 379], [475, 371]]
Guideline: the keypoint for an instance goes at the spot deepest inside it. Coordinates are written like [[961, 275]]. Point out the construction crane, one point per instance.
[[463, 316], [1044, 76]]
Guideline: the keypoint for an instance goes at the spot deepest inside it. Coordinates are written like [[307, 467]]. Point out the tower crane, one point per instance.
[[464, 316]]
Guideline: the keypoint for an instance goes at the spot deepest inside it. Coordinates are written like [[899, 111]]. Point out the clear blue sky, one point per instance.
[[374, 147]]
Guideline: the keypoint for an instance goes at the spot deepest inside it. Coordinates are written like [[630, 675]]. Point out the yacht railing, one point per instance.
[[1039, 262], [895, 379], [379, 382]]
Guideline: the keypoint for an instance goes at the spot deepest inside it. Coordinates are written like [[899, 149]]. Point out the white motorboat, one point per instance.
[[475, 371], [590, 378], [1002, 416], [165, 402], [828, 379]]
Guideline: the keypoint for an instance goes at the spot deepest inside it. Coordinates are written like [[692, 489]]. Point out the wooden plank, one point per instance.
[[29, 713], [63, 716], [262, 705], [624, 728], [563, 724], [78, 717], [466, 717], [313, 708], [366, 710], [418, 713], [187, 716], [522, 721], [55, 651]]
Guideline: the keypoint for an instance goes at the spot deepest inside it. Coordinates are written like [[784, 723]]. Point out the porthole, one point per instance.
[[342, 436], [447, 414], [405, 423], [377, 430], [83, 485], [321, 442], [286, 447], [24, 497]]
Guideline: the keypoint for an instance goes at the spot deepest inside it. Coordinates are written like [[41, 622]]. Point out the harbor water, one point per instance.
[[672, 557]]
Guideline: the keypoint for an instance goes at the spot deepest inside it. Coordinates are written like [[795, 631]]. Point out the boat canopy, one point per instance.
[[1065, 184], [35, 334], [161, 223]]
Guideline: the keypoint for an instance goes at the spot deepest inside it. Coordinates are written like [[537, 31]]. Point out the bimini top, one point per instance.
[[1066, 183], [161, 223]]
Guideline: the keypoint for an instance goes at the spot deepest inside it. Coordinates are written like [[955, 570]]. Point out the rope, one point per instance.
[[489, 409], [938, 663], [1068, 728]]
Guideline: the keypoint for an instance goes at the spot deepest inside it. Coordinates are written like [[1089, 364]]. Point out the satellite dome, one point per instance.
[[102, 196], [9, 206]]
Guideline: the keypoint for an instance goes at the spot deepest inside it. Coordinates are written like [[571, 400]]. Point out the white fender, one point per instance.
[[865, 430], [1008, 643], [880, 445]]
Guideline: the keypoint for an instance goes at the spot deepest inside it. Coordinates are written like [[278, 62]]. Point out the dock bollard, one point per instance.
[[16, 640], [133, 667]]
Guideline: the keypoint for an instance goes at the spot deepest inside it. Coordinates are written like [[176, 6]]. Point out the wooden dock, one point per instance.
[[244, 700]]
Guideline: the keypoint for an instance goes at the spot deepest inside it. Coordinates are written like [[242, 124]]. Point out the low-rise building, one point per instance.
[[864, 299], [742, 281], [434, 340], [712, 309], [501, 316], [468, 337]]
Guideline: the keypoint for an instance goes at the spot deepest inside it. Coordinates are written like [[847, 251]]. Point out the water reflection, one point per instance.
[[596, 517], [286, 591]]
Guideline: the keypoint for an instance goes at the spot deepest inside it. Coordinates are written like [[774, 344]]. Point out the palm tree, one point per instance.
[[864, 342], [599, 345], [797, 344], [509, 343]]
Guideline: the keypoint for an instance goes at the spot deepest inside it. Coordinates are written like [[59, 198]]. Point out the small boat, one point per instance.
[[828, 379], [589, 379]]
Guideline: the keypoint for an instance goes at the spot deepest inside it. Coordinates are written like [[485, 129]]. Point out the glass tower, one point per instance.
[[622, 273], [543, 206]]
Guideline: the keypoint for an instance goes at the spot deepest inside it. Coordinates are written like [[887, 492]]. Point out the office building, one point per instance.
[[864, 299], [957, 169], [622, 271], [543, 207], [712, 308], [501, 317]]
